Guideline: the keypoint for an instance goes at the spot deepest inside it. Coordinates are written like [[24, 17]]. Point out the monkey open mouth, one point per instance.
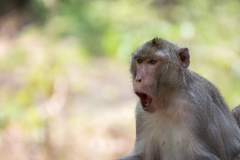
[[145, 99]]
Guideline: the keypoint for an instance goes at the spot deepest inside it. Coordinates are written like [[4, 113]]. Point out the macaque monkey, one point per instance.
[[180, 115]]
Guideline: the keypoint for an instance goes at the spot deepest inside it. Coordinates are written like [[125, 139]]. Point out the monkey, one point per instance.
[[180, 115]]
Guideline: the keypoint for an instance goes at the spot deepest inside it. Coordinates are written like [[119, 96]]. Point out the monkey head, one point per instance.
[[155, 65]]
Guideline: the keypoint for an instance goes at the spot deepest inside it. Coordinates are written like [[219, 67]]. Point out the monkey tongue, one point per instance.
[[145, 99]]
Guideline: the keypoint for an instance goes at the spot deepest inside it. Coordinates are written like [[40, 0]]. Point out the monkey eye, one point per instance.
[[139, 61], [152, 62]]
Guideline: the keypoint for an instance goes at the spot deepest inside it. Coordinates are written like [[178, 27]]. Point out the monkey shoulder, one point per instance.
[[215, 123], [194, 80], [202, 91]]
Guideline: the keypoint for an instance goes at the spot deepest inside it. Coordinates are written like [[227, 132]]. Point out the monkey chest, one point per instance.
[[170, 141]]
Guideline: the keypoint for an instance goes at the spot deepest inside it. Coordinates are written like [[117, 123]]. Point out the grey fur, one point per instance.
[[200, 119]]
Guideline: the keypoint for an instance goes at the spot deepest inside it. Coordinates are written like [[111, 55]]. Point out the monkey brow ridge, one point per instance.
[[146, 56]]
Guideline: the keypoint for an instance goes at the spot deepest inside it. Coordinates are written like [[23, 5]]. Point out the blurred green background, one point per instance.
[[65, 88]]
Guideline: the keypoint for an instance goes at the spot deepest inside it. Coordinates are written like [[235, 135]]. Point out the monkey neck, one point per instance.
[[166, 92], [185, 78]]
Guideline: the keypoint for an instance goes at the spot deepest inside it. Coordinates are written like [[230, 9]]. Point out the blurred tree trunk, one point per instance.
[[16, 14], [7, 6]]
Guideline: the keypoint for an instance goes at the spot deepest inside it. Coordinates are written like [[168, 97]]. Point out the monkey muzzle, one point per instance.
[[145, 99]]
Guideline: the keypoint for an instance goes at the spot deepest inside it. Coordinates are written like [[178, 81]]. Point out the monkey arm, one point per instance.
[[135, 155], [217, 134]]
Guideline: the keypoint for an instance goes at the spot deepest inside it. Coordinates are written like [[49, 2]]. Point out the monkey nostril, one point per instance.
[[138, 80]]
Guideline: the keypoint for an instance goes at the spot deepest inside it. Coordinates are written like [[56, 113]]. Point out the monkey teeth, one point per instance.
[[145, 99]]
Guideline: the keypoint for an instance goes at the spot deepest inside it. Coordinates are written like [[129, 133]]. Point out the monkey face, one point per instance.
[[145, 82], [155, 65]]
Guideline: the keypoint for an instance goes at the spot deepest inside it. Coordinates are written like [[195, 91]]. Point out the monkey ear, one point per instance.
[[184, 57]]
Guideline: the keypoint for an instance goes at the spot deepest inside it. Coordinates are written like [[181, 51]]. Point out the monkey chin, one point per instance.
[[145, 99]]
